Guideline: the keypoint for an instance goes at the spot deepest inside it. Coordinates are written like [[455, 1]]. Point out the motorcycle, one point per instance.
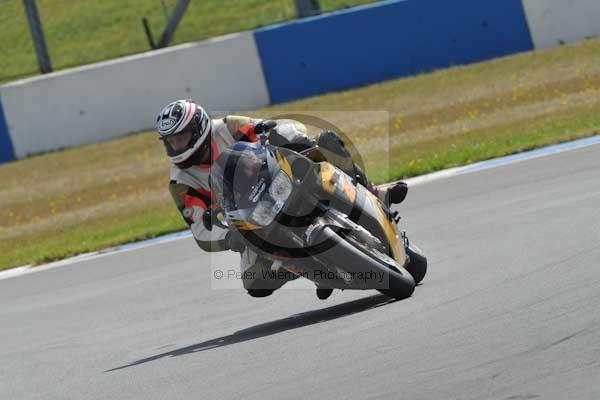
[[313, 220]]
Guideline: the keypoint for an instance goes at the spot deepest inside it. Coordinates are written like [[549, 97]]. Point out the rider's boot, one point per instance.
[[324, 293], [260, 292], [394, 194]]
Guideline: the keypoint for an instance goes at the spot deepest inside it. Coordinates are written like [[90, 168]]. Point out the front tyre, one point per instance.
[[350, 252]]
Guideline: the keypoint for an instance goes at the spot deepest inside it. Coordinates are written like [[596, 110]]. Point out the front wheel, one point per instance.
[[355, 255]]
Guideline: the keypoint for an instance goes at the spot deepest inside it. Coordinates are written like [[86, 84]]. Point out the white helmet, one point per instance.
[[184, 128]]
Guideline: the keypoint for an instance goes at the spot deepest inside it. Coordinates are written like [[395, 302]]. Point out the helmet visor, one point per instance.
[[179, 143]]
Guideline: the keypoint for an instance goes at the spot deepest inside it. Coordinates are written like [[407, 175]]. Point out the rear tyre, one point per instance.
[[401, 283], [417, 266]]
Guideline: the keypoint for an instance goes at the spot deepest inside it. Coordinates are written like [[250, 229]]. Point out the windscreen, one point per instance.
[[241, 175]]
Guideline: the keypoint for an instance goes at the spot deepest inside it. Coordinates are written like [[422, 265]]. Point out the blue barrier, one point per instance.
[[7, 152], [386, 40]]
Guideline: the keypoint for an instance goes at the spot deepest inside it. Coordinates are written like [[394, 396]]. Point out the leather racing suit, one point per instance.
[[191, 191]]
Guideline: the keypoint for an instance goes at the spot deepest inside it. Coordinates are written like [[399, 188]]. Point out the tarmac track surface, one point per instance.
[[510, 309]]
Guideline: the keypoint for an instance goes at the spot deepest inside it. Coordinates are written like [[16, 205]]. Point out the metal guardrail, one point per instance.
[[172, 23], [37, 34]]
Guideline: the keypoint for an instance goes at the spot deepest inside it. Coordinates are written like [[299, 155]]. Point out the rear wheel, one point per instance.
[[417, 266]]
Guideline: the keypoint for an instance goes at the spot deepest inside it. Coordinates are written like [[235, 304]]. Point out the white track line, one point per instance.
[[28, 269], [502, 161], [419, 180]]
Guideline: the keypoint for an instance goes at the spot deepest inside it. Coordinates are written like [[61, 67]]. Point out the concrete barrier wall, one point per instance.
[[282, 62], [106, 100], [554, 22], [386, 40]]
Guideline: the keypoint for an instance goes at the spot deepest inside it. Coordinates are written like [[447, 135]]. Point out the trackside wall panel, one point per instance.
[[386, 40], [106, 100], [555, 22]]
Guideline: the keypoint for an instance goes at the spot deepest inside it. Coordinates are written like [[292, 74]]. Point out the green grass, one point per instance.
[[85, 31], [105, 230], [113, 192]]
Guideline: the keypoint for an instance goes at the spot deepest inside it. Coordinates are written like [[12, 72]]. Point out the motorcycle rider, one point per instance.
[[192, 141]]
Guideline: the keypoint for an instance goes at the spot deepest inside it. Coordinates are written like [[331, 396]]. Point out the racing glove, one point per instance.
[[264, 126], [193, 214]]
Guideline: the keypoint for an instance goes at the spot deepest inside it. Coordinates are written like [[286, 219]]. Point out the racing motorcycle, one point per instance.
[[314, 220]]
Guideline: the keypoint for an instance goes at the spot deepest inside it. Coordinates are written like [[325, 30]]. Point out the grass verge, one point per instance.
[[77, 200], [82, 32]]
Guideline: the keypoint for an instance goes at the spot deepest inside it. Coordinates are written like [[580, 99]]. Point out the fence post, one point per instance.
[[37, 34], [173, 22], [307, 8], [148, 31]]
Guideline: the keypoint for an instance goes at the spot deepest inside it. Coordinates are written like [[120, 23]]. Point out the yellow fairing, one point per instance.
[[245, 225], [326, 174], [283, 163], [391, 233], [332, 179], [342, 183]]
